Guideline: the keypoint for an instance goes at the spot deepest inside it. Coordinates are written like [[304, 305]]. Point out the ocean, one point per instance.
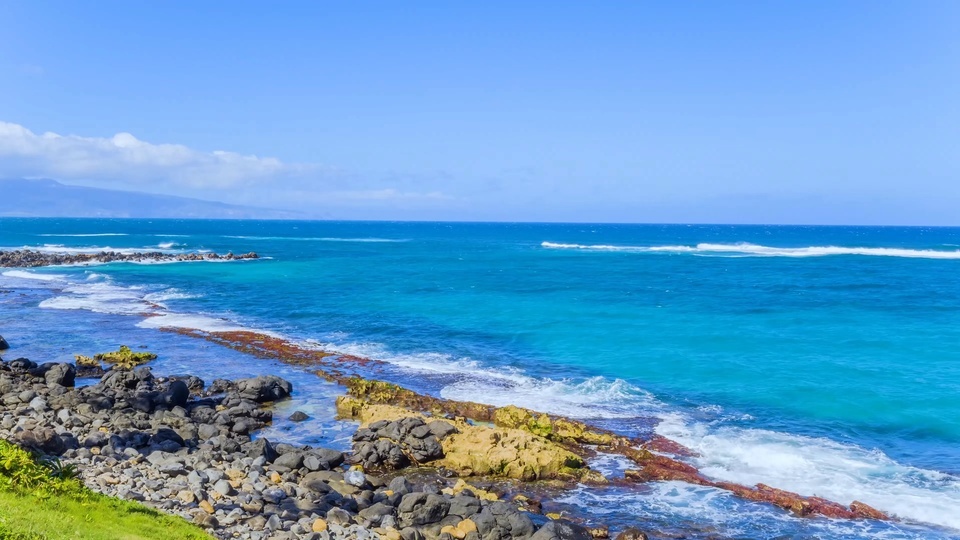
[[821, 360]]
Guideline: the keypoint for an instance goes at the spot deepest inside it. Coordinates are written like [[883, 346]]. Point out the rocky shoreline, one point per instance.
[[190, 449], [27, 258]]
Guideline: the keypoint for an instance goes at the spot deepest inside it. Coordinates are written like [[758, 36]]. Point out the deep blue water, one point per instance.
[[823, 360]]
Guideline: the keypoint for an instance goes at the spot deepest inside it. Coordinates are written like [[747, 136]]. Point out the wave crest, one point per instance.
[[755, 250]]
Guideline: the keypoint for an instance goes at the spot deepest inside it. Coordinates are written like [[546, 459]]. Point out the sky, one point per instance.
[[831, 112]]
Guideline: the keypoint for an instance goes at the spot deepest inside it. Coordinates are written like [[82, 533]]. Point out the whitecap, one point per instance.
[[23, 274], [320, 239], [754, 250], [84, 235], [818, 467]]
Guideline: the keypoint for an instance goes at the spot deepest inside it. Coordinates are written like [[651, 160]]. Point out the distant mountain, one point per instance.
[[49, 198]]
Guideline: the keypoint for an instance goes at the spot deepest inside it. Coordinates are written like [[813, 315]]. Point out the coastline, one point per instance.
[[336, 367], [376, 402]]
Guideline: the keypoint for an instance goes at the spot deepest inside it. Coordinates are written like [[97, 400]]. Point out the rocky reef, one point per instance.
[[26, 258], [657, 458]]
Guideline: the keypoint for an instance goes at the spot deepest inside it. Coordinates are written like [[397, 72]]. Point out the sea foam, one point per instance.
[[755, 250], [817, 466]]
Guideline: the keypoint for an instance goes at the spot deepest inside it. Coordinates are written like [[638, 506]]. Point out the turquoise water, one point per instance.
[[823, 360]]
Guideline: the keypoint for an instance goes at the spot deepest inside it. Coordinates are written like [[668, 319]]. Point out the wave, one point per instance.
[[595, 397], [100, 297], [818, 466], [718, 513], [23, 274], [85, 235], [765, 251], [321, 239], [91, 250], [193, 321]]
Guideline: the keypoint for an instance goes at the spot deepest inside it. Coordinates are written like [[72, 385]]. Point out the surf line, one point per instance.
[[657, 458]]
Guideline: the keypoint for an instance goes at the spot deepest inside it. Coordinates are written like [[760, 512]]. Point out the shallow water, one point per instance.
[[820, 360]]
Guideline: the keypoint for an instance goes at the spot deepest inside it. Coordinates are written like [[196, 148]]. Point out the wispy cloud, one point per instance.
[[129, 160]]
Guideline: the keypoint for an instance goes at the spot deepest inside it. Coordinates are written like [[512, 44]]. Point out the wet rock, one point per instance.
[[264, 388], [3, 344], [25, 258], [298, 416], [561, 530], [421, 509], [632, 534]]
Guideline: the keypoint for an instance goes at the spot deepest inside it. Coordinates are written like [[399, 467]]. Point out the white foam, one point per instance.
[[61, 249], [720, 513], [320, 239], [754, 250], [595, 397], [99, 297], [169, 294], [22, 274], [85, 235], [820, 467], [192, 321]]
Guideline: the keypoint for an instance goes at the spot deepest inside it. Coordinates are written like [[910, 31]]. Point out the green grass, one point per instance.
[[40, 501]]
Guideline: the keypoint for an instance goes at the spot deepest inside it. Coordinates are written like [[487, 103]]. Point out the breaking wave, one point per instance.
[[755, 250]]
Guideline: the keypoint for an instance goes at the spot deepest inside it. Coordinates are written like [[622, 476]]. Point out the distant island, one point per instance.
[[50, 198]]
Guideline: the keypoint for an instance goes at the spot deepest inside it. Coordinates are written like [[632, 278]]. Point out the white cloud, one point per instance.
[[127, 160]]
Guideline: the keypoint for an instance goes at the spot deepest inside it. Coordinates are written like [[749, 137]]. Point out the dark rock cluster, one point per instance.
[[187, 448], [26, 258], [391, 445]]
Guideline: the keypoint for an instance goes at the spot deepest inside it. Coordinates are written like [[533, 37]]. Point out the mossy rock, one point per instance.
[[486, 451], [125, 358], [86, 361], [559, 430]]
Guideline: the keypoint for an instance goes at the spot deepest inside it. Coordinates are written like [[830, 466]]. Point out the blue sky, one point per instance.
[[775, 112]]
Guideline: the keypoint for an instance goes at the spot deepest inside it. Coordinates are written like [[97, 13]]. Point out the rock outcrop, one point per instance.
[[26, 258], [391, 437]]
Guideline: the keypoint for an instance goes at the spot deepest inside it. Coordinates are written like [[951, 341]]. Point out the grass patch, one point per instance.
[[42, 501]]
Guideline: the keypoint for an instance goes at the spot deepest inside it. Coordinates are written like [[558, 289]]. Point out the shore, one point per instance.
[[420, 467], [188, 448]]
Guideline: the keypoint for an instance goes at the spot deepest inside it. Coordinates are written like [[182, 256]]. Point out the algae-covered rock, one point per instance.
[[559, 430], [86, 361], [510, 453], [392, 394], [476, 450], [125, 358]]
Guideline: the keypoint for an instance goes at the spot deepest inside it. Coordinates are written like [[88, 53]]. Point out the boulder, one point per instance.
[[264, 388], [561, 529], [3, 344], [298, 416], [262, 448], [632, 534], [44, 440], [61, 374], [175, 395], [417, 509]]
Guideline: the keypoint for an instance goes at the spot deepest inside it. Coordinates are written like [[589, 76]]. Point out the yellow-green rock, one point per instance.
[[125, 358]]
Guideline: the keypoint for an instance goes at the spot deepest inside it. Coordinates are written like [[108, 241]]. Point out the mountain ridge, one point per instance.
[[46, 197]]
